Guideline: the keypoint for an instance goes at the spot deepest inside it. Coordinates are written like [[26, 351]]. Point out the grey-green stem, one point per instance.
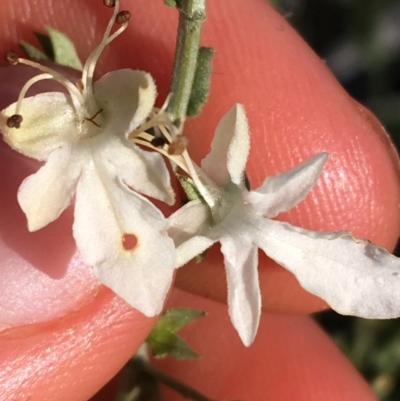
[[171, 382], [191, 16]]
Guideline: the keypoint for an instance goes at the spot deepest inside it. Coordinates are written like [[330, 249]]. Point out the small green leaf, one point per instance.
[[46, 44], [175, 318], [201, 82], [57, 47], [32, 51], [171, 344], [64, 49], [188, 186], [163, 340], [171, 3]]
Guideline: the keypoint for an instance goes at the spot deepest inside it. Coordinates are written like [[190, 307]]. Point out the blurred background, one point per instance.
[[360, 42]]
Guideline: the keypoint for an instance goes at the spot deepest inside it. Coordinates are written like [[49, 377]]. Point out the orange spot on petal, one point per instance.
[[129, 241]]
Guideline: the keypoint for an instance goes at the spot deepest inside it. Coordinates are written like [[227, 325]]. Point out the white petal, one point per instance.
[[142, 171], [244, 297], [43, 196], [187, 227], [191, 248], [281, 192], [191, 219], [229, 148], [127, 98], [353, 276], [105, 213], [49, 122]]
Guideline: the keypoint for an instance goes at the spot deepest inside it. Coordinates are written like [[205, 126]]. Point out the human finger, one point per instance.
[[291, 358]]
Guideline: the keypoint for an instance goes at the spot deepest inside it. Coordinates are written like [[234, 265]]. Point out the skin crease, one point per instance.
[[295, 109]]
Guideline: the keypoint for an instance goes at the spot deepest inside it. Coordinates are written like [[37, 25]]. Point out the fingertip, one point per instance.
[[291, 358], [71, 358]]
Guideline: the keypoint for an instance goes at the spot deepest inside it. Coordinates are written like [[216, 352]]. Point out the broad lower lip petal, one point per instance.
[[41, 274]]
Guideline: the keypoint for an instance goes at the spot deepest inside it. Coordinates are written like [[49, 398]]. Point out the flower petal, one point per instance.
[[142, 171], [127, 98], [49, 122], [187, 227], [123, 237], [43, 196], [229, 149], [244, 297], [281, 192], [353, 276], [193, 247]]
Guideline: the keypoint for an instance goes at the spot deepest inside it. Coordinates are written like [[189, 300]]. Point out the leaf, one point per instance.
[[32, 51], [201, 82], [46, 44], [56, 46], [64, 49], [190, 189], [171, 344], [175, 318], [171, 3], [163, 341]]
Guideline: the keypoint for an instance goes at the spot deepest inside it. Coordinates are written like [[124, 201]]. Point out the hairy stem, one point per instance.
[[191, 17]]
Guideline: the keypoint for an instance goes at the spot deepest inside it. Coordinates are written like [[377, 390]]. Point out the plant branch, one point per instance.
[[191, 17], [168, 380]]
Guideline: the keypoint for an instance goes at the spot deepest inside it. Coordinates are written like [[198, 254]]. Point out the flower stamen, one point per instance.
[[158, 141], [72, 89], [88, 69], [48, 73], [176, 150], [159, 119], [178, 146], [109, 3], [26, 87], [12, 57], [14, 121], [123, 17], [205, 190], [81, 92], [79, 85]]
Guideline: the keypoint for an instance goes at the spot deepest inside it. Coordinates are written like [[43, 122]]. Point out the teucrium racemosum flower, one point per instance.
[[83, 138], [354, 276]]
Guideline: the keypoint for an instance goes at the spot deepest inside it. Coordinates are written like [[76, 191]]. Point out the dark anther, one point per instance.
[[123, 17], [11, 57], [158, 141], [109, 3], [14, 121]]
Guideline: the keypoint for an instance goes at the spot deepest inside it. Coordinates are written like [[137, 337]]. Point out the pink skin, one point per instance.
[[80, 334]]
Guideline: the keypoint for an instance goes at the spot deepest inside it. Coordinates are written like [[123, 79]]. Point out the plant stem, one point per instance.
[[135, 384], [191, 17], [168, 380]]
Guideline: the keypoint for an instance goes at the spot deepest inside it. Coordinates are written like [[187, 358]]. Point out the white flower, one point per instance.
[[82, 137], [354, 276]]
